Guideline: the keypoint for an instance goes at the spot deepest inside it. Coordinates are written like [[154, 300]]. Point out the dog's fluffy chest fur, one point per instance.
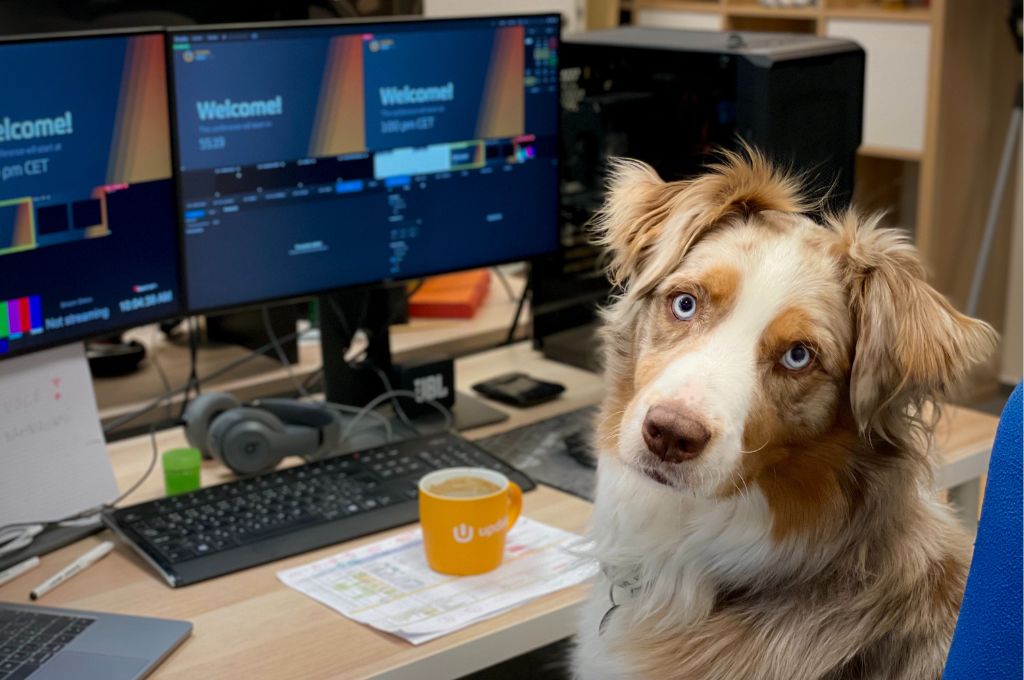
[[711, 597]]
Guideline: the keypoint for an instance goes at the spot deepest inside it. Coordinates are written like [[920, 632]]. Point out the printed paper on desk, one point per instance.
[[389, 586], [52, 452]]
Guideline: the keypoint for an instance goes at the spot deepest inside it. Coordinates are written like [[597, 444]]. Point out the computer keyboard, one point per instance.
[[556, 451], [29, 639], [221, 529]]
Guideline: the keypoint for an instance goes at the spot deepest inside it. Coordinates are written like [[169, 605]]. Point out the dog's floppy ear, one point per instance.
[[648, 224], [912, 345], [632, 216]]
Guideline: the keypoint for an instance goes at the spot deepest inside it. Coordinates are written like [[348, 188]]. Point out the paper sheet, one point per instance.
[[389, 586], [52, 454]]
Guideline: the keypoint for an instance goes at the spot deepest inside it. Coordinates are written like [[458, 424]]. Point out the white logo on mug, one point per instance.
[[462, 533], [492, 529]]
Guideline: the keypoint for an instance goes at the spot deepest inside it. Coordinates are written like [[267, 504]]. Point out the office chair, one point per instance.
[[987, 640]]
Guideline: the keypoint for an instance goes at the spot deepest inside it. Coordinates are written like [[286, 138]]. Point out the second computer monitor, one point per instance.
[[88, 236], [317, 157]]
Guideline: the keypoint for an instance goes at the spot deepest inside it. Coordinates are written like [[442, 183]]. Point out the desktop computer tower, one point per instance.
[[670, 98]]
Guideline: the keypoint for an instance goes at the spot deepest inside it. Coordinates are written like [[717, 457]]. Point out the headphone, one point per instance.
[[250, 439]]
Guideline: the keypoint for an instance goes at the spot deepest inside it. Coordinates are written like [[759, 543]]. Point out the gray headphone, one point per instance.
[[250, 439]]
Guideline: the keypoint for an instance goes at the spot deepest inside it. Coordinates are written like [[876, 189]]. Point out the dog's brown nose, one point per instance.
[[673, 435]]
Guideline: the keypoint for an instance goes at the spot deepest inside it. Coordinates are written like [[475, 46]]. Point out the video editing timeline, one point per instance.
[[323, 156], [88, 240]]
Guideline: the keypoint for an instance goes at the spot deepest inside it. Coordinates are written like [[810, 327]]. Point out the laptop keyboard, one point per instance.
[[28, 639]]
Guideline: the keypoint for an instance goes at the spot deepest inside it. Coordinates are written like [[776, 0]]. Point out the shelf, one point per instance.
[[680, 5], [911, 155], [756, 11], [918, 14]]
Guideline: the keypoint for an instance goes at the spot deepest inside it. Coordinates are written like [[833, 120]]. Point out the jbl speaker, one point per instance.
[[428, 380]]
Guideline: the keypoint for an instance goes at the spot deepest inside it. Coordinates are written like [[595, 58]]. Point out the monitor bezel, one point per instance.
[[180, 308], [294, 298]]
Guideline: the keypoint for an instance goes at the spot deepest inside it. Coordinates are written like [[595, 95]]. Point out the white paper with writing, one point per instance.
[[53, 458], [389, 586]]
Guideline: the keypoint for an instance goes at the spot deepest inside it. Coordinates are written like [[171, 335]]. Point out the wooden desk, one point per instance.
[[263, 376], [249, 625]]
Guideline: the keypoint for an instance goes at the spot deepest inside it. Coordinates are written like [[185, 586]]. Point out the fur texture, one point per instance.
[[804, 542]]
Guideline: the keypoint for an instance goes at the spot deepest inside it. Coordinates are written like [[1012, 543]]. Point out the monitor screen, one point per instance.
[[88, 229], [316, 157]]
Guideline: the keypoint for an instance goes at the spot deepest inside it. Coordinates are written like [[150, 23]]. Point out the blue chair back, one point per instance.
[[987, 641]]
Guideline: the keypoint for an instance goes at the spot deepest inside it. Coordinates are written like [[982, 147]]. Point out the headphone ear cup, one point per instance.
[[201, 413], [314, 431], [247, 440]]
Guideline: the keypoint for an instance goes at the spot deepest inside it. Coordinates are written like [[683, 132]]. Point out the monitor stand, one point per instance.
[[354, 383]]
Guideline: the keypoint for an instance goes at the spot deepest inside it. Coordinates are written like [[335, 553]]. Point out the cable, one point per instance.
[[510, 338], [156, 362], [399, 411], [339, 313], [415, 289], [311, 380], [282, 357], [504, 283], [345, 408], [193, 376], [145, 475], [381, 398], [90, 512], [119, 422]]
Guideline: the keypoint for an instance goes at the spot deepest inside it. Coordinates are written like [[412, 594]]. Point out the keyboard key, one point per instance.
[[23, 672]]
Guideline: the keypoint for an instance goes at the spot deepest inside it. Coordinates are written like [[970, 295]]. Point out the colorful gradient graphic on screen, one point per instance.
[[502, 109], [17, 232], [339, 124], [139, 151]]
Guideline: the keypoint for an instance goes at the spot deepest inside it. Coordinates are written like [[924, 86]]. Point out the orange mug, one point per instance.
[[465, 534]]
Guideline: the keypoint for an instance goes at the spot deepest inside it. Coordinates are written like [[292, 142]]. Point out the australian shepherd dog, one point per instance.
[[764, 507]]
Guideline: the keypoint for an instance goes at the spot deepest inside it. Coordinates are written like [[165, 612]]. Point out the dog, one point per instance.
[[764, 506]]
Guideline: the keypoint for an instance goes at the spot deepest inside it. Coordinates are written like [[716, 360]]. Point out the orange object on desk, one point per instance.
[[451, 296]]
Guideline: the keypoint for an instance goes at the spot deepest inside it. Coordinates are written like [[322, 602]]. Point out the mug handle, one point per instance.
[[515, 498]]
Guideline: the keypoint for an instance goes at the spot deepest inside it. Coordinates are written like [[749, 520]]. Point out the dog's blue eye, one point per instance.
[[684, 306], [797, 357]]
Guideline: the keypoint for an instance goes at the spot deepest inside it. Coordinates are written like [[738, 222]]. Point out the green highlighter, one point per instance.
[[181, 470]]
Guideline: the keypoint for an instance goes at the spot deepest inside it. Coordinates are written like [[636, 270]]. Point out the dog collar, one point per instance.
[[628, 586]]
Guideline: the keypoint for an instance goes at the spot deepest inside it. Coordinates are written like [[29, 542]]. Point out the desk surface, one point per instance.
[[250, 625]]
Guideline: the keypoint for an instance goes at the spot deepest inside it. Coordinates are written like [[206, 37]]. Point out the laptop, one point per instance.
[[47, 643]]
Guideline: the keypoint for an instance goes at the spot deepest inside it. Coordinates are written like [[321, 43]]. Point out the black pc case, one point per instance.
[[670, 98]]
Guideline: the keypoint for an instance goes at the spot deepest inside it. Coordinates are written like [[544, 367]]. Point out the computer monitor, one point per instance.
[[88, 230], [320, 156]]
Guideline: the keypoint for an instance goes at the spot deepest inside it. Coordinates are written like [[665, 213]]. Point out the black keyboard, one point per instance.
[[29, 639], [221, 529]]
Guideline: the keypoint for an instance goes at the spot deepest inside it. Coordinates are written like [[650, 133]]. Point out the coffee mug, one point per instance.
[[465, 514]]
